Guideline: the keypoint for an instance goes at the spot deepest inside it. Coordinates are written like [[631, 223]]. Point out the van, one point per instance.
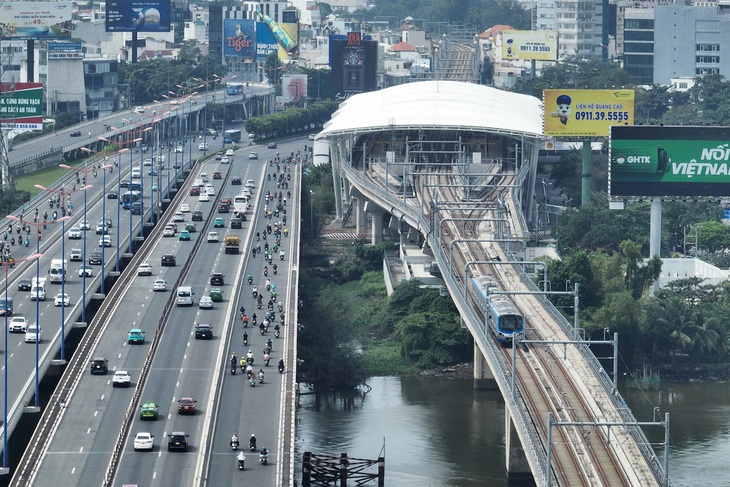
[[6, 305], [38, 289], [250, 184], [185, 296], [33, 333], [57, 272]]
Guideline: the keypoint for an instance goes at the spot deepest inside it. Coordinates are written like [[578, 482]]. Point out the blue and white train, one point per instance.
[[498, 313]]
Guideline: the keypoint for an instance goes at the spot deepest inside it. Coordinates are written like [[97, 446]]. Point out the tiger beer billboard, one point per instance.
[[669, 161]]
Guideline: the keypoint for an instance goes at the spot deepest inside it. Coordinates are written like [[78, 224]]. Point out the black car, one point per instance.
[[136, 208], [272, 145], [95, 257], [223, 208], [124, 183], [99, 366], [168, 260], [236, 223], [203, 331], [197, 216], [112, 195], [178, 441], [75, 133], [236, 181], [217, 279], [24, 285]]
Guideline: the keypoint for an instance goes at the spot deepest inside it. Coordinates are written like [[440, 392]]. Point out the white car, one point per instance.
[[185, 208], [251, 136], [159, 285], [203, 197], [85, 225], [179, 149], [144, 270], [311, 136], [138, 109], [147, 162], [121, 378], [62, 300], [86, 270], [203, 177], [205, 303], [213, 237], [178, 217], [225, 160], [105, 241], [74, 233], [203, 146], [76, 255], [168, 232], [210, 190], [253, 155], [144, 441], [17, 324], [101, 229]]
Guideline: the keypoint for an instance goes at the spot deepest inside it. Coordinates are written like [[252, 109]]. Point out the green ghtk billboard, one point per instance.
[[669, 161]]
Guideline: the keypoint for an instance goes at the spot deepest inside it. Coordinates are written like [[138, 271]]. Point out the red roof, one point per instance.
[[493, 31], [402, 47]]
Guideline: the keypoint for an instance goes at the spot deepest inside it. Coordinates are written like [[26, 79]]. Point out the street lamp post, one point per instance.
[[119, 204], [38, 226], [63, 264], [311, 212], [6, 468], [103, 221], [131, 202]]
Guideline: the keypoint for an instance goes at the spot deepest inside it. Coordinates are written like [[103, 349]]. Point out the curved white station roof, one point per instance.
[[439, 105]]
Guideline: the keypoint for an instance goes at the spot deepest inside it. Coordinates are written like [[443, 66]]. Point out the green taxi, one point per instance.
[[216, 294], [148, 411], [219, 223], [135, 336], [184, 235], [190, 227]]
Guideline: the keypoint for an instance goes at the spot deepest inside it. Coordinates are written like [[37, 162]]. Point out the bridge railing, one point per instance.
[[502, 374]]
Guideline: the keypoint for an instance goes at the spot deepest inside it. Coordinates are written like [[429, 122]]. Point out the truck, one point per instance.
[[57, 272], [38, 289], [232, 243]]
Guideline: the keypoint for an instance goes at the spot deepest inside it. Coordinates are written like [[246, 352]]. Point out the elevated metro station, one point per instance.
[[451, 167]]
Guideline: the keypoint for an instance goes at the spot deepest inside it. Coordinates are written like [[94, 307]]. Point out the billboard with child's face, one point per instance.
[[589, 113]]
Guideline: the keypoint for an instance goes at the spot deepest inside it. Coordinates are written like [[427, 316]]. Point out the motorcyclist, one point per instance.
[[245, 338], [242, 310], [266, 270], [262, 327], [234, 359], [241, 458], [255, 292], [281, 255], [276, 330], [249, 355], [244, 318], [264, 453], [281, 365], [250, 278], [234, 441], [269, 343], [258, 235], [252, 442]]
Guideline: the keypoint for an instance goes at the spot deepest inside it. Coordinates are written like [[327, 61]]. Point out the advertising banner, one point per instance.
[[64, 46], [265, 41], [21, 105], [541, 45], [669, 161], [293, 87], [239, 39], [35, 20], [138, 15], [586, 113], [292, 34]]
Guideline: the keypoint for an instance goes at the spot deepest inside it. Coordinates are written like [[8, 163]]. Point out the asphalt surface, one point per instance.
[[82, 445], [21, 356]]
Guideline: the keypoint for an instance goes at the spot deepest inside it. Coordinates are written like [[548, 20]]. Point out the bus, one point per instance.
[[130, 197], [240, 203], [234, 88], [231, 136]]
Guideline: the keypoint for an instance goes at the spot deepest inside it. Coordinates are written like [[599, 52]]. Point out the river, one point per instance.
[[437, 431]]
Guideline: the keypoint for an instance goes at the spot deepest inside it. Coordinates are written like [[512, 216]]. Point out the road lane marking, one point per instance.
[[73, 470], [102, 397], [88, 430]]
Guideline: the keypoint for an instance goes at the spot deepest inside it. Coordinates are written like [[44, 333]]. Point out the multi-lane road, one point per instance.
[[94, 416]]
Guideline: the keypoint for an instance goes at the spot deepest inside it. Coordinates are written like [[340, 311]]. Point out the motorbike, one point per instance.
[[261, 378], [258, 304], [252, 381], [276, 332], [275, 271], [250, 280], [245, 338], [263, 458], [234, 442], [281, 367], [262, 328], [233, 369], [267, 357], [241, 459]]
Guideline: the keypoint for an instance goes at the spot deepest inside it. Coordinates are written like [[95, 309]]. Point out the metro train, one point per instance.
[[497, 311]]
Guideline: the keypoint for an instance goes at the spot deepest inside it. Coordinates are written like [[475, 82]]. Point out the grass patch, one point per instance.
[[44, 177], [383, 357]]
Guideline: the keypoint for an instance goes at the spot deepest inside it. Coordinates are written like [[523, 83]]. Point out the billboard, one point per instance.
[[353, 59], [21, 106], [669, 161], [586, 113], [292, 33], [138, 15], [541, 45], [35, 20], [239, 39], [265, 41], [293, 87]]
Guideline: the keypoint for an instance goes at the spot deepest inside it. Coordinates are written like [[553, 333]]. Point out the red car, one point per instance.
[[194, 191], [217, 175], [186, 405]]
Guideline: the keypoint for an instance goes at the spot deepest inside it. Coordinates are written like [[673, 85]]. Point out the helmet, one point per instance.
[[250, 351], [253, 436]]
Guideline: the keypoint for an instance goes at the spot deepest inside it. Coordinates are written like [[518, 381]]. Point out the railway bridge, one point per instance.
[[453, 166]]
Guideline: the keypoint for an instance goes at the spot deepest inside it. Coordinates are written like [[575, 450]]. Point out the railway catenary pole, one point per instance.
[[482, 240], [608, 424]]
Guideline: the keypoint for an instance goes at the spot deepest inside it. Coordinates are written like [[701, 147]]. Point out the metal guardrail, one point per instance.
[[519, 418]]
